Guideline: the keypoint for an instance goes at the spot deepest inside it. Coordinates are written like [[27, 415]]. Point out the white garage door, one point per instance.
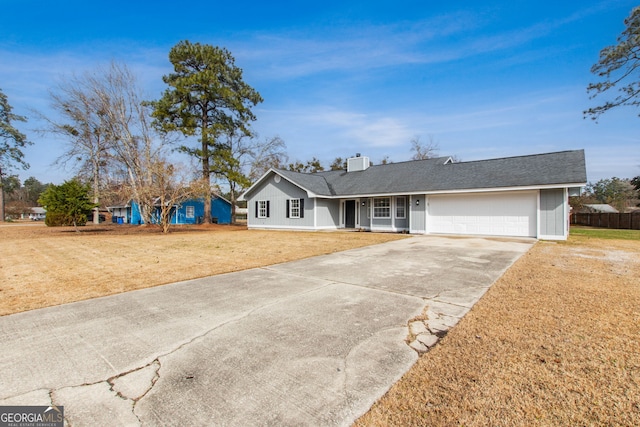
[[494, 214]]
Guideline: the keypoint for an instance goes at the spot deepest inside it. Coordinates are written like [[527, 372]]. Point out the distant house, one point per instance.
[[188, 212], [34, 214], [523, 196], [598, 208]]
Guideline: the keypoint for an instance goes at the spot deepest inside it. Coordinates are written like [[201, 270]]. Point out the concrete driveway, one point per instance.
[[311, 342]]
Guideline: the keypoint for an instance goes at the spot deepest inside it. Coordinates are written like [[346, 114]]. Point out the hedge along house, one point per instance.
[[188, 212], [525, 196]]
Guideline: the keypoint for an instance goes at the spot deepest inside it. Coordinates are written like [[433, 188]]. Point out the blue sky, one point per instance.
[[482, 79]]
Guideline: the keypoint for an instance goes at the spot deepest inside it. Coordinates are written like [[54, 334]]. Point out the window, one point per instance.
[[401, 209], [382, 207], [295, 208], [262, 209], [190, 212]]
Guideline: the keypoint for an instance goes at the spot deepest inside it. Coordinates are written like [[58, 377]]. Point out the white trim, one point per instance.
[[390, 207], [409, 213], [266, 209], [389, 229], [255, 184], [460, 191], [291, 208], [315, 214], [404, 200], [190, 215], [343, 212], [567, 220], [538, 213], [310, 194]]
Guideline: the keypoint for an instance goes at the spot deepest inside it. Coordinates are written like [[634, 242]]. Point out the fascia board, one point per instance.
[[310, 194], [459, 191], [255, 184]]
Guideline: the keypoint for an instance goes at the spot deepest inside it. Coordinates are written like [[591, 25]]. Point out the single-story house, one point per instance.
[[524, 196], [598, 208], [188, 212], [37, 214]]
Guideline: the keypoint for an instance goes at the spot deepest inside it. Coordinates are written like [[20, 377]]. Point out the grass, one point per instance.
[[605, 233]]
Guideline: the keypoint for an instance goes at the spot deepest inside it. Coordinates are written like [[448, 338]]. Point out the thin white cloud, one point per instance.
[[323, 125], [292, 54]]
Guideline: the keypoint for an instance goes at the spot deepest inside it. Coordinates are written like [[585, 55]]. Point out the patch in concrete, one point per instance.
[[134, 385]]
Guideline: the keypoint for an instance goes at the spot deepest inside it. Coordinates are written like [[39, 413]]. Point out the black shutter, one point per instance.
[[287, 211], [267, 209], [256, 209], [301, 208]]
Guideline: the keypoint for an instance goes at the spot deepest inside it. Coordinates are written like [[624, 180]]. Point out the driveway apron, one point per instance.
[[311, 342]]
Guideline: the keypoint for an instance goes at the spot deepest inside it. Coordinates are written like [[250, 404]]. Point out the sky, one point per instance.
[[480, 79]]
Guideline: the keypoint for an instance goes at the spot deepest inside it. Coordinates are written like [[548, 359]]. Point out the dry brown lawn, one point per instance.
[[42, 266], [555, 342]]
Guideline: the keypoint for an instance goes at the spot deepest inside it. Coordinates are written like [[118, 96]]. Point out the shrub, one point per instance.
[[58, 219]]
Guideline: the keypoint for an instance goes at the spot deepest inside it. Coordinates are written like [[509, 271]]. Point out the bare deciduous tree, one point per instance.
[[171, 187], [82, 124], [108, 126], [127, 120], [422, 151]]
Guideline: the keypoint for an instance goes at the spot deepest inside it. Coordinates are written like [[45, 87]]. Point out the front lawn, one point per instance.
[[43, 266]]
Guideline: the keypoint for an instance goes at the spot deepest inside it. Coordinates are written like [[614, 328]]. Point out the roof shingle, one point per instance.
[[564, 167]]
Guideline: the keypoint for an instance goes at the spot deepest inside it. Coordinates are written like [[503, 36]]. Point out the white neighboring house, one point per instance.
[[524, 196], [37, 214]]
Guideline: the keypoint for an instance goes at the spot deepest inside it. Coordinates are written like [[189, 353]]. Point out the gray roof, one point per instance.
[[599, 207], [434, 175]]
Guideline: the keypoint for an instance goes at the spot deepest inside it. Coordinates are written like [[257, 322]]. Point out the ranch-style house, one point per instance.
[[524, 196]]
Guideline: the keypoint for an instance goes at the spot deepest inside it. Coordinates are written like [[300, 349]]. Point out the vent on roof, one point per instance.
[[360, 163], [448, 161]]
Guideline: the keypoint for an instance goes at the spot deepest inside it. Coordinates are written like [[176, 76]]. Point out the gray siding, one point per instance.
[[418, 214], [365, 213], [277, 195], [327, 213], [552, 218], [381, 223]]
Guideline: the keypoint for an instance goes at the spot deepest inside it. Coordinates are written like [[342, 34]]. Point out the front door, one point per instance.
[[350, 214]]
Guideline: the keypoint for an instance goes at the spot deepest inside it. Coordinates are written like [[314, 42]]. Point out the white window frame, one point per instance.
[[401, 202], [380, 206], [262, 208], [190, 211], [294, 208]]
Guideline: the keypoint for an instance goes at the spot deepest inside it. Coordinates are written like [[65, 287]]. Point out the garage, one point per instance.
[[493, 214]]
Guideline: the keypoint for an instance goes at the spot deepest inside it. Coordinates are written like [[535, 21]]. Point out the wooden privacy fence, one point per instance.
[[608, 220]]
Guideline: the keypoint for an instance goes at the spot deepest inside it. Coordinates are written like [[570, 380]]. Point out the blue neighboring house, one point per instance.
[[188, 212]]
